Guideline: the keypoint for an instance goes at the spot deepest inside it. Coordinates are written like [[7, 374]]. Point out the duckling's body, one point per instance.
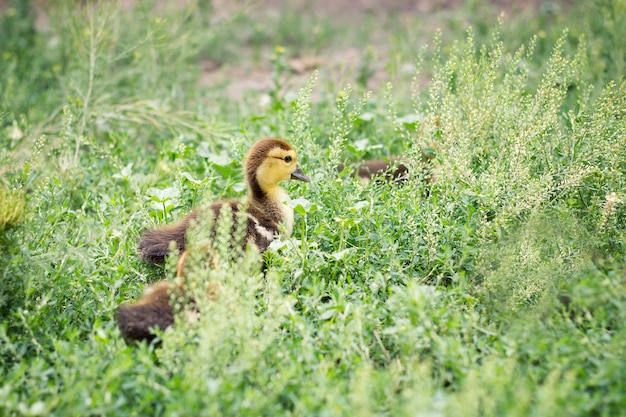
[[268, 162], [260, 229]]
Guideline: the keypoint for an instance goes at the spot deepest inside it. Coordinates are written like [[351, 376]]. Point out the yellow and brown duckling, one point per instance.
[[268, 162]]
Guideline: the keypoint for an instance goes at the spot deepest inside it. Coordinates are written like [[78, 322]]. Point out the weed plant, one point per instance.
[[496, 289]]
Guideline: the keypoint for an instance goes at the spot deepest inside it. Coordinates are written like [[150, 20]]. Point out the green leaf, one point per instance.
[[411, 120], [341, 254], [125, 172], [163, 195], [302, 206], [358, 206]]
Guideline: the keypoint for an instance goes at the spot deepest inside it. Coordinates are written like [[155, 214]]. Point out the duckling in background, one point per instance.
[[390, 170], [268, 162]]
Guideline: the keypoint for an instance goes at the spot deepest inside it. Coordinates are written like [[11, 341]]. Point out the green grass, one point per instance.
[[499, 289]]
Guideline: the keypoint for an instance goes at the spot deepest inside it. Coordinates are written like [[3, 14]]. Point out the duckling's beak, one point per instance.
[[298, 174]]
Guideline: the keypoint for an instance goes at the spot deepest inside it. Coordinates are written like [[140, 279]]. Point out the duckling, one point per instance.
[[268, 162], [155, 309], [390, 170]]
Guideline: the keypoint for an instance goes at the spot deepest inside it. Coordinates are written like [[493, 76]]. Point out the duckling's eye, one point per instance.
[[287, 159]]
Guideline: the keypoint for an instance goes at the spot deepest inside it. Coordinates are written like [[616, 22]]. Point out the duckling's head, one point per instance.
[[270, 161]]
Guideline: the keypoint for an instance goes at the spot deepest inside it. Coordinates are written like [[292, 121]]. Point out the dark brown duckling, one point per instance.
[[155, 310], [390, 170]]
